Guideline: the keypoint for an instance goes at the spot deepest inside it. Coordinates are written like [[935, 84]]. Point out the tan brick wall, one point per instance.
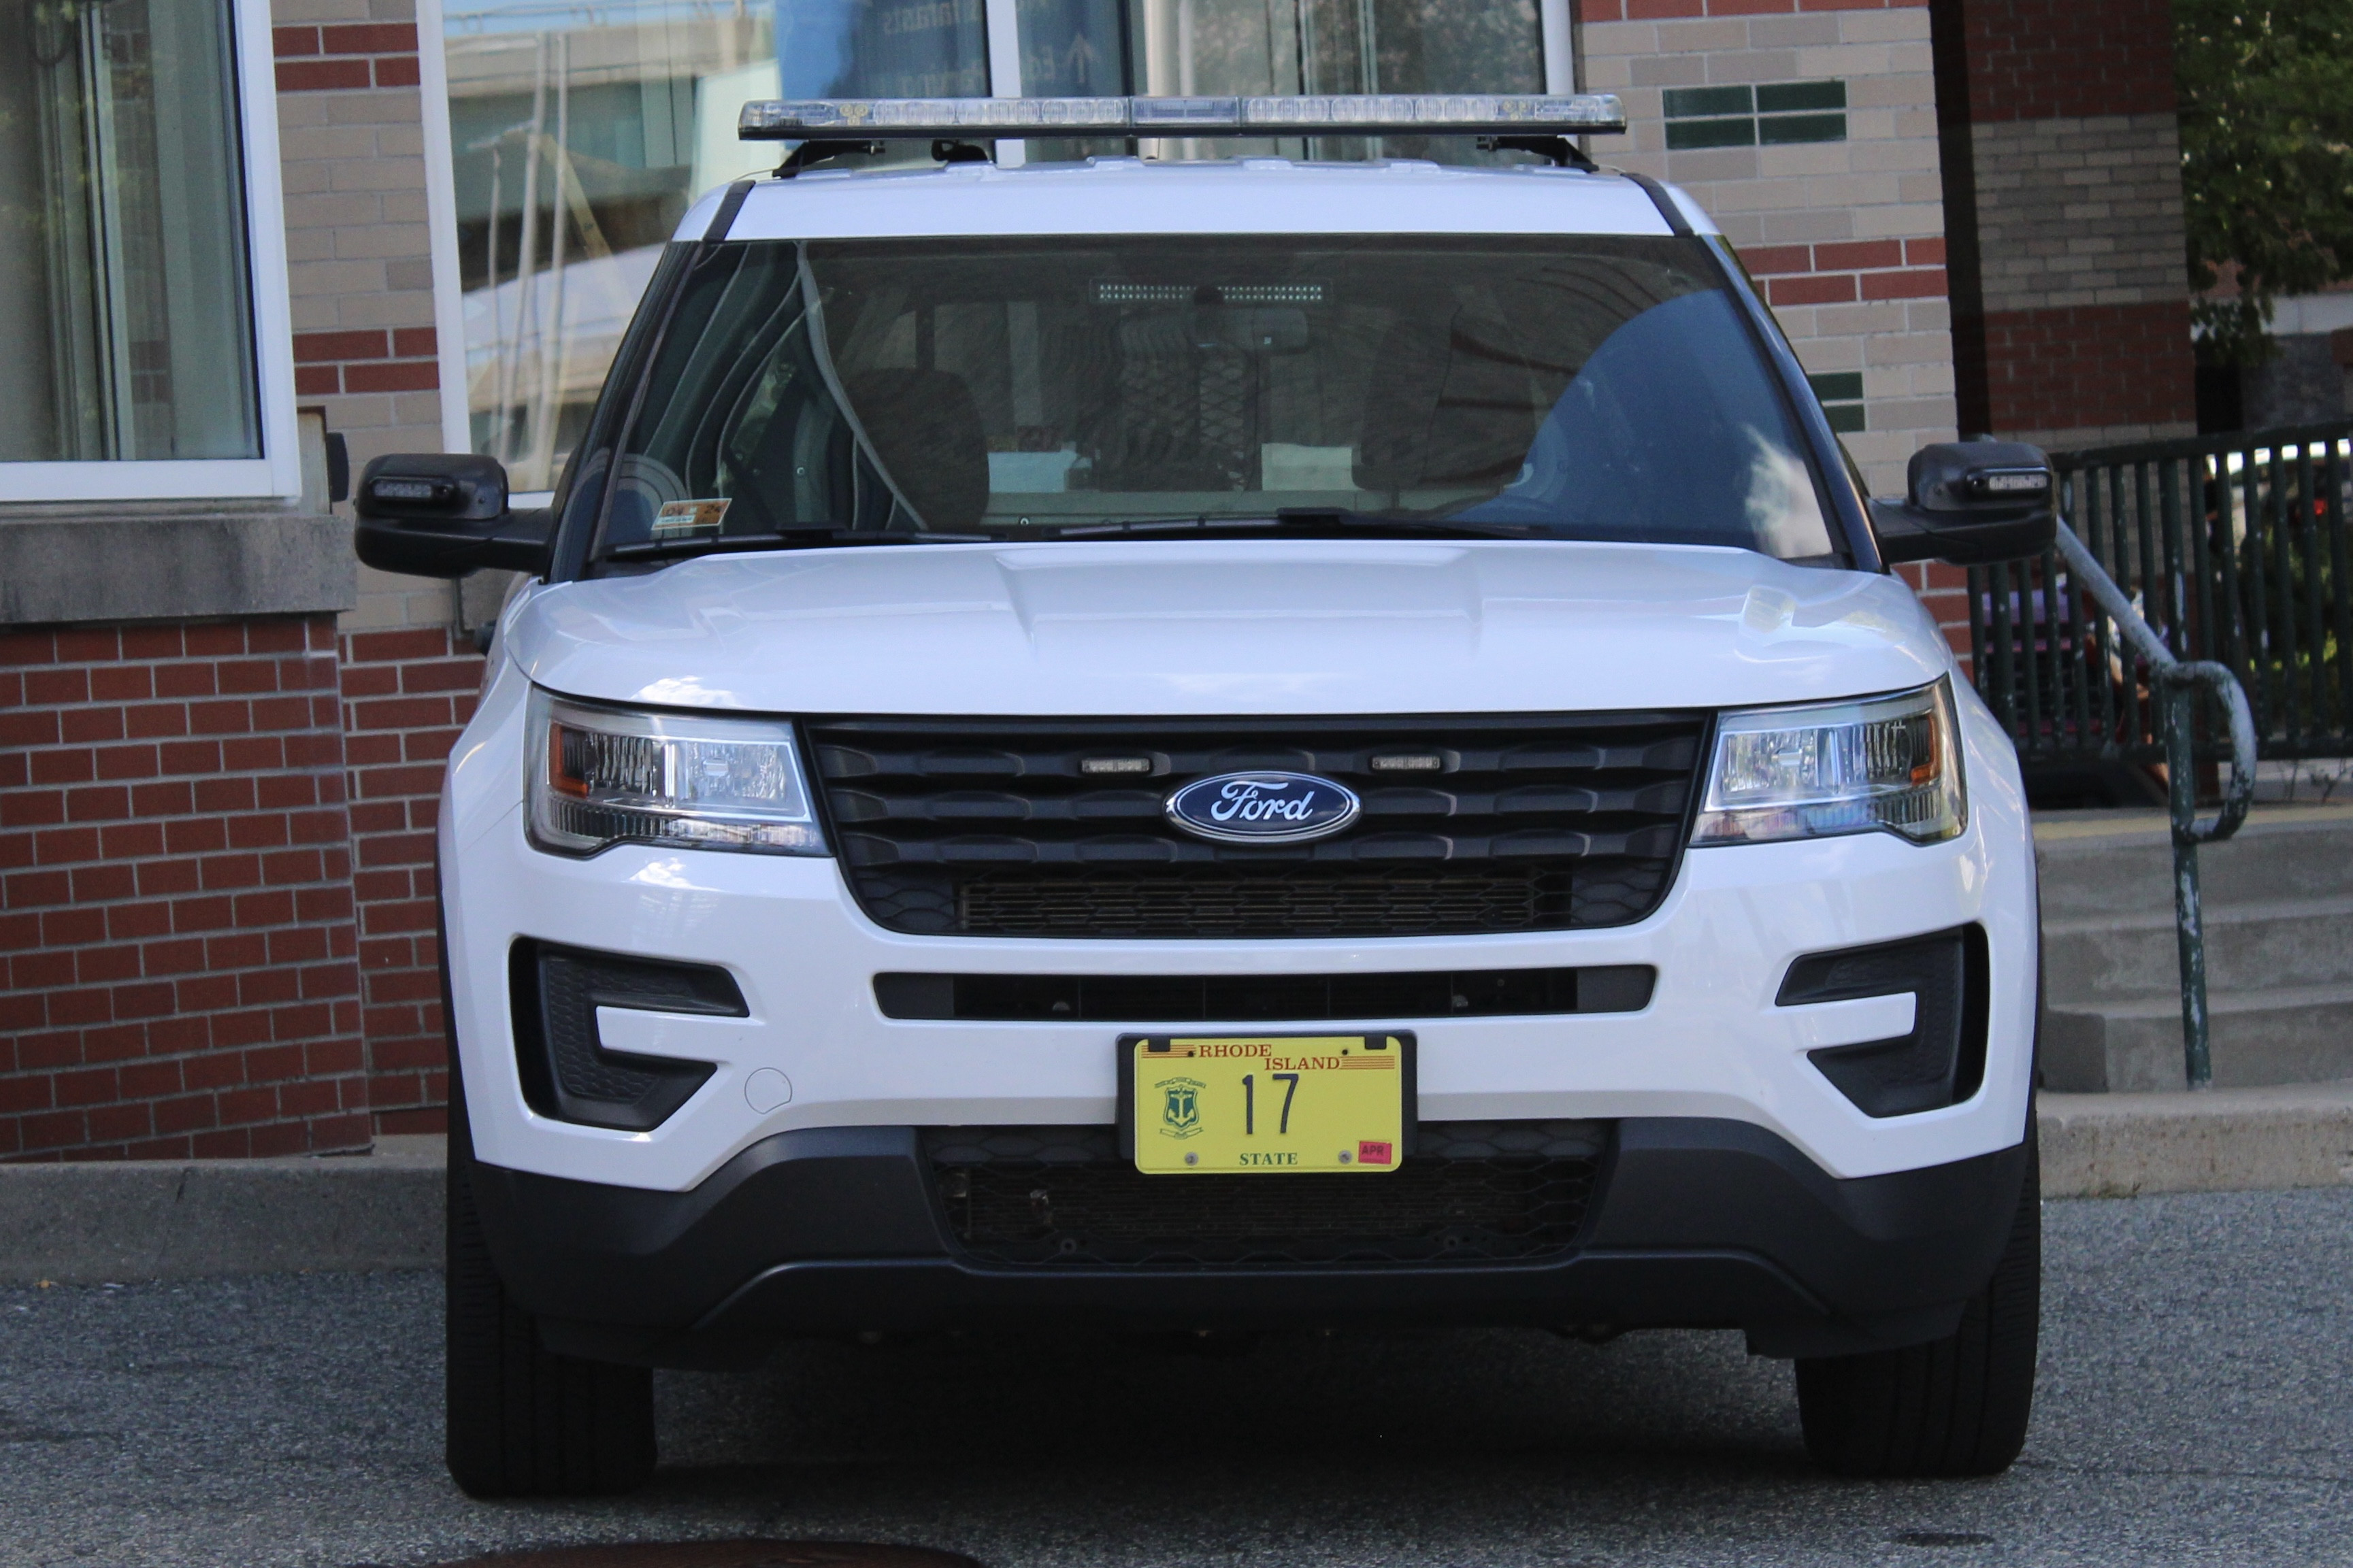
[[1869, 209], [351, 150], [2079, 212]]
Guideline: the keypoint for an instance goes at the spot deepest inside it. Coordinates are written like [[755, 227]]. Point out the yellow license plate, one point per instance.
[[1271, 1103]]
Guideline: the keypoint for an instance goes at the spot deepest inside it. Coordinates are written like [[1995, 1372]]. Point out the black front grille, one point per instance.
[[993, 827], [1473, 1192]]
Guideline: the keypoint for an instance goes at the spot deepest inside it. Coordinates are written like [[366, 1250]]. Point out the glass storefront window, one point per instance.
[[126, 296], [894, 49], [582, 130], [580, 134]]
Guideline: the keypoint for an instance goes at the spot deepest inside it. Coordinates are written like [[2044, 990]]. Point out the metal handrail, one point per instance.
[[2237, 547], [2180, 680]]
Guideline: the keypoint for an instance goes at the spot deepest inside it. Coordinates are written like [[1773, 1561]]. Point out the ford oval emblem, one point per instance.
[[1263, 808]]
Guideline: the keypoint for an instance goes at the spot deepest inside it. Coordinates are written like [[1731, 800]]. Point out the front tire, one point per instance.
[[1954, 1406], [521, 1420]]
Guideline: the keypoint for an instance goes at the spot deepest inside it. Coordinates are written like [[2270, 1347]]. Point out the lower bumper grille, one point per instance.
[[1384, 904], [1047, 1197]]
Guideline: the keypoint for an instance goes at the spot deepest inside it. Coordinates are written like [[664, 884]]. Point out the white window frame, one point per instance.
[[278, 472], [1557, 25], [441, 228]]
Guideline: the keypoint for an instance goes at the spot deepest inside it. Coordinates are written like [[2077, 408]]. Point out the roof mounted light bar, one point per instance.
[[1382, 114]]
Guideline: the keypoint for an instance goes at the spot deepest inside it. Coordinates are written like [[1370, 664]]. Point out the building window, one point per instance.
[[1772, 115], [581, 134], [1185, 46], [130, 290], [581, 131], [1841, 391]]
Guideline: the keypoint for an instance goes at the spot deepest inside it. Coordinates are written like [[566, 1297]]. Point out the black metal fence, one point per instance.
[[2233, 547]]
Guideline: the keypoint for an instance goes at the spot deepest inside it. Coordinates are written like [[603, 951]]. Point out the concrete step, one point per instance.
[[2097, 864], [2279, 1035], [2116, 958]]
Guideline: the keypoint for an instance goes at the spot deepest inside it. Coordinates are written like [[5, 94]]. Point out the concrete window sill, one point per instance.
[[124, 562]]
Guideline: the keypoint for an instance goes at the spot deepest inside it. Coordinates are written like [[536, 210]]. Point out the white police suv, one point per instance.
[[1233, 746]]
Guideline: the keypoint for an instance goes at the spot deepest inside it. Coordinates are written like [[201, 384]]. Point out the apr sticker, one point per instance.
[[690, 518]]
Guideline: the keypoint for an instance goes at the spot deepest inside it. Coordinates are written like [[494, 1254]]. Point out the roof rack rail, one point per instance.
[[1011, 118]]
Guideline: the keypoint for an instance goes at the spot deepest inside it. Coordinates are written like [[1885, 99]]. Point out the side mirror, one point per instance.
[[440, 514], [1970, 503]]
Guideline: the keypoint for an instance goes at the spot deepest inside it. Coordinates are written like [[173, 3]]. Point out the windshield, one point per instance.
[[1582, 387]]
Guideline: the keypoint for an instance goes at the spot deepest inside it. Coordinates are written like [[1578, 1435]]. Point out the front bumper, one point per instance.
[[1713, 1042], [1699, 1222]]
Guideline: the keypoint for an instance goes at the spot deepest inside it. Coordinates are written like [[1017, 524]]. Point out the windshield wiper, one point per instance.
[[1304, 523], [811, 538]]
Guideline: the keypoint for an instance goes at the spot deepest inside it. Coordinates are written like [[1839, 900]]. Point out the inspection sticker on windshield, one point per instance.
[[1270, 1103], [690, 518]]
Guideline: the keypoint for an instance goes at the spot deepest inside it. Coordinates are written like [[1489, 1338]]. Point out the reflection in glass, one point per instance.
[[883, 48], [1334, 45], [124, 297], [583, 129], [1074, 48], [581, 133]]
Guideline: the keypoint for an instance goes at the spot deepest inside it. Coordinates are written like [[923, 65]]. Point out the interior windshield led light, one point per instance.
[[1883, 764], [601, 777], [1110, 293], [1371, 114]]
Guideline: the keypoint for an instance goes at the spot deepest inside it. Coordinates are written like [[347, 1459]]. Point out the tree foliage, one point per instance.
[[2266, 94]]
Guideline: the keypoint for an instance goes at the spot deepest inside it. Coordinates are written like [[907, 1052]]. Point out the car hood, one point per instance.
[[1167, 627]]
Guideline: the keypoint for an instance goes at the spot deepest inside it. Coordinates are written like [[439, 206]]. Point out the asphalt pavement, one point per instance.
[[2196, 1407]]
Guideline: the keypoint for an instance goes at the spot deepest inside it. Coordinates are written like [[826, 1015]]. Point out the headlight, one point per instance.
[[605, 775], [1885, 762]]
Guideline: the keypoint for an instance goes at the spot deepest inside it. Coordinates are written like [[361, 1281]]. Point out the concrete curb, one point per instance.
[[92, 1221], [2219, 1140], [86, 1223]]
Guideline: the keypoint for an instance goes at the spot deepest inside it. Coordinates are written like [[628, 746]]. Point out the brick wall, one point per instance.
[[406, 694], [2078, 210], [359, 250], [352, 152], [2085, 374], [2070, 297], [175, 909], [352, 139], [2044, 59], [1847, 237], [370, 360], [1841, 274]]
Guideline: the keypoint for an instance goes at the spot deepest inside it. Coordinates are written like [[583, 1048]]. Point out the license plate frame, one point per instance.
[[1223, 1070]]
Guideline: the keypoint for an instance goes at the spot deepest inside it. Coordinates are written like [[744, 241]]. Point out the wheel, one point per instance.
[[521, 1421], [1955, 1406]]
